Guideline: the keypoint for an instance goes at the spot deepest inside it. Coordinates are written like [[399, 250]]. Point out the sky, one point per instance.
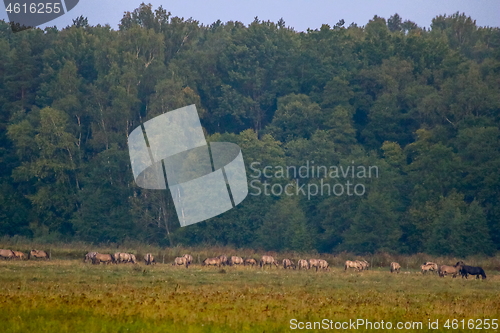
[[299, 14]]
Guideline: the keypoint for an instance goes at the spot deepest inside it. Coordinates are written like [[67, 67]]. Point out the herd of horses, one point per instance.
[[459, 268], [222, 260], [9, 254]]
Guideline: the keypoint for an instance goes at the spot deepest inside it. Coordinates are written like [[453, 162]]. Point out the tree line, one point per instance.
[[420, 104]]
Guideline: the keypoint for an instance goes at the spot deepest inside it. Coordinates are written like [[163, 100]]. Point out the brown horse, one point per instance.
[[303, 264], [287, 263], [453, 270], [132, 258], [319, 264], [38, 254], [223, 260], [149, 259], [189, 258], [212, 261], [104, 258], [179, 261], [429, 267], [314, 263], [353, 264], [323, 264], [120, 257], [395, 267], [364, 264], [249, 261], [116, 258], [7, 254], [19, 255], [268, 260], [125, 257], [235, 261]]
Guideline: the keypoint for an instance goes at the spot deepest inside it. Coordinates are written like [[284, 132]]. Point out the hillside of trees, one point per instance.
[[420, 104]]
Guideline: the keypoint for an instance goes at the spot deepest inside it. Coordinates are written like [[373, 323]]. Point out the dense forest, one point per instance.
[[420, 104]]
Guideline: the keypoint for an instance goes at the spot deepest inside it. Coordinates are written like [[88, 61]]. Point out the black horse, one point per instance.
[[466, 270]]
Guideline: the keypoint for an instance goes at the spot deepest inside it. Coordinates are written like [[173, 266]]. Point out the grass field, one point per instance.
[[70, 296]]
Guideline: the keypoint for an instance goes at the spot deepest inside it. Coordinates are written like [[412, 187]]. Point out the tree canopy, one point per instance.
[[422, 105]]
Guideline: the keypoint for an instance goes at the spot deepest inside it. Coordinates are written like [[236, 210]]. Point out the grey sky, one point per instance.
[[300, 14]]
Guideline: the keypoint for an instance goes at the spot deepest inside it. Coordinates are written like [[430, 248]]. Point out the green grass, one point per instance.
[[70, 296]]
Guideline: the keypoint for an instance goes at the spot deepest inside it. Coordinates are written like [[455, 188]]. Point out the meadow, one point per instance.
[[67, 295]]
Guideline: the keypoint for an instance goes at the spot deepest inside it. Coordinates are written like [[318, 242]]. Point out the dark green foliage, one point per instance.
[[285, 227], [421, 105]]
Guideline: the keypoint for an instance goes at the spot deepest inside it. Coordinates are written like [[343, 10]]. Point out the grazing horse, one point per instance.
[[453, 270], [235, 261], [249, 261], [287, 263], [268, 260], [38, 254], [123, 257], [466, 270], [120, 257], [212, 261], [19, 255], [89, 256], [395, 267], [7, 254], [319, 264], [179, 261], [223, 260], [303, 264], [105, 258], [133, 259], [149, 259], [314, 263], [189, 258], [323, 264], [116, 257], [362, 265], [429, 267], [353, 264]]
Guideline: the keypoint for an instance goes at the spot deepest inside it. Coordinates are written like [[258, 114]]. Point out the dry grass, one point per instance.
[[78, 250]]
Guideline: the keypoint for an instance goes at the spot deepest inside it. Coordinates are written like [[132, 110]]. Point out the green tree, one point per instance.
[[394, 23], [296, 117], [374, 226], [477, 234], [285, 227], [448, 228]]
